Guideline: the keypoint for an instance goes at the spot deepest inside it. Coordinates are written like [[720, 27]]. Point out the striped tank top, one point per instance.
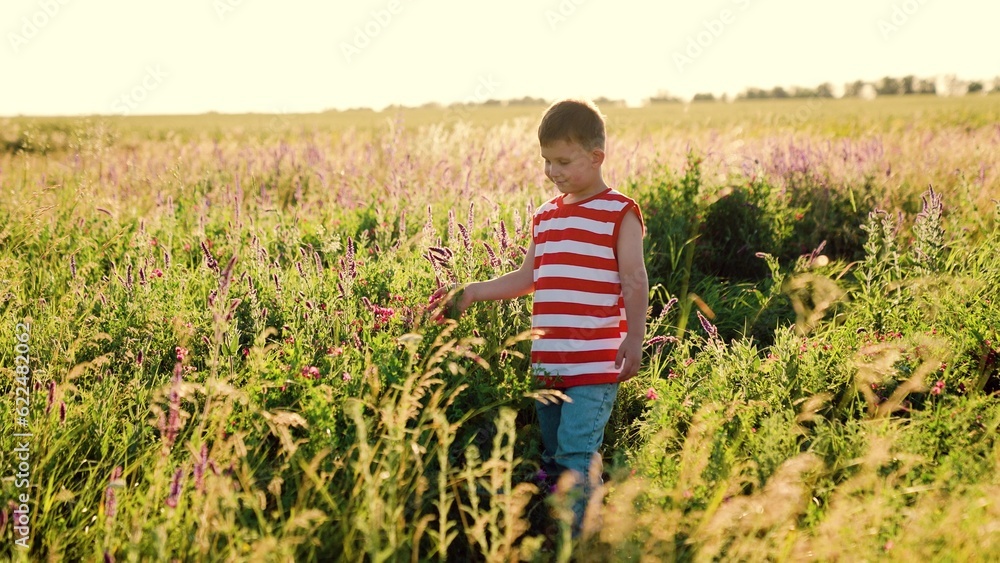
[[578, 306]]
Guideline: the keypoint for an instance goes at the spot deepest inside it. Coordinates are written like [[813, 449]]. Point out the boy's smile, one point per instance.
[[574, 170]]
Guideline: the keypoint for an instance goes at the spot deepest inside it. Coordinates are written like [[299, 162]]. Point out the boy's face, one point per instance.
[[573, 169]]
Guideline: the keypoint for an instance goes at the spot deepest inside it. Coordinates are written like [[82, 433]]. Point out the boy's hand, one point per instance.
[[629, 358], [449, 302]]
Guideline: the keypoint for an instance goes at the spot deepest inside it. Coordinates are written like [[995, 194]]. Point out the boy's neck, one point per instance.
[[598, 187]]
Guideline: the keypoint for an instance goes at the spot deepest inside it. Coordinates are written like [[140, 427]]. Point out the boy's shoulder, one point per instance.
[[609, 194]]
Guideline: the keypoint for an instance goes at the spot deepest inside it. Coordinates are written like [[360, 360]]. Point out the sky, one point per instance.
[[70, 57]]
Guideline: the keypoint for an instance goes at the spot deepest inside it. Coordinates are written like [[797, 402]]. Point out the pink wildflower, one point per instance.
[[651, 394], [938, 388]]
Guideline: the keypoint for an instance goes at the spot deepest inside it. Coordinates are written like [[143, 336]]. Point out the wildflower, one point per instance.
[[210, 260], [382, 315], [52, 396], [62, 412], [651, 394], [466, 239], [116, 476], [938, 388], [352, 268], [181, 353], [667, 307], [494, 261], [504, 237], [175, 489], [199, 468], [310, 372], [110, 503], [332, 351], [712, 331], [345, 376]]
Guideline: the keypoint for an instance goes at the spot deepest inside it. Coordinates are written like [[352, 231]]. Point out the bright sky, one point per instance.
[[192, 56]]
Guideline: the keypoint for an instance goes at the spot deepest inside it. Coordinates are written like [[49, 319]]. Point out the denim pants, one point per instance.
[[572, 432]]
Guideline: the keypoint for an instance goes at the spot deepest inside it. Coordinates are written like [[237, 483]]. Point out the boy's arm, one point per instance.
[[635, 291], [508, 286]]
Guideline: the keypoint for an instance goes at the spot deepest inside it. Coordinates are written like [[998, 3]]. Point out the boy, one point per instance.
[[585, 266]]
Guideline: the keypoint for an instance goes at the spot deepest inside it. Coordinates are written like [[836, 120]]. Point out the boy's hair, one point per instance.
[[577, 121]]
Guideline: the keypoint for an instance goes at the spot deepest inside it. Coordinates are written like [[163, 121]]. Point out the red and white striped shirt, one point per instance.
[[578, 304]]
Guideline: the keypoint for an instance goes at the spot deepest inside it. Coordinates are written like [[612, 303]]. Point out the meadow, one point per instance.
[[216, 346]]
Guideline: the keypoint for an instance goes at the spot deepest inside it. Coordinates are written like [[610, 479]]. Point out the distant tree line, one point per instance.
[[948, 85]]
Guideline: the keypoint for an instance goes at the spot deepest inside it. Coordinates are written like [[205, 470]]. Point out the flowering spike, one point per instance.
[[711, 329], [209, 259]]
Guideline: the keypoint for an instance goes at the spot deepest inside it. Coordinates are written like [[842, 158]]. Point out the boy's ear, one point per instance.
[[597, 157]]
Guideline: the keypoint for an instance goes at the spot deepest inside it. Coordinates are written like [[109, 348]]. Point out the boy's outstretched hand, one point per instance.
[[448, 302], [629, 358]]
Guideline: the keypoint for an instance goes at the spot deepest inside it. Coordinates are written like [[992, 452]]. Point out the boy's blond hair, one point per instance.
[[576, 121]]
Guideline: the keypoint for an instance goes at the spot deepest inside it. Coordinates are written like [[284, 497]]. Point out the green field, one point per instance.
[[229, 356]]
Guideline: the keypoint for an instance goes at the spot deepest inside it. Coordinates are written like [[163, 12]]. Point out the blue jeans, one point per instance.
[[572, 432]]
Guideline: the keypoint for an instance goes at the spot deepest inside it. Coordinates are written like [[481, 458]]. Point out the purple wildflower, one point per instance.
[[352, 267], [494, 261], [199, 468], [110, 503], [667, 307], [175, 489], [466, 239], [712, 331], [209, 259]]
